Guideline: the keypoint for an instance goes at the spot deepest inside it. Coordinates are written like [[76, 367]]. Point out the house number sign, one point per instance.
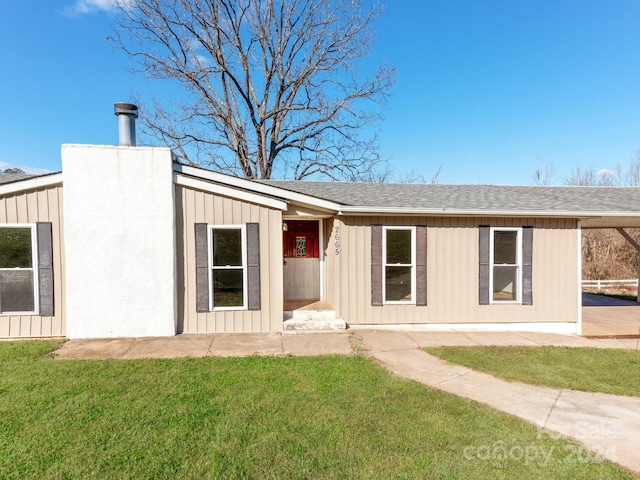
[[336, 234]]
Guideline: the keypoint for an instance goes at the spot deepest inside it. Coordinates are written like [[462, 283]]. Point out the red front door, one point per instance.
[[301, 240], [301, 244]]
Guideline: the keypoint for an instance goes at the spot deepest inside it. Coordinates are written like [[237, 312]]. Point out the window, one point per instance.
[[506, 265], [18, 269], [301, 246], [229, 278], [228, 274], [399, 246], [399, 265]]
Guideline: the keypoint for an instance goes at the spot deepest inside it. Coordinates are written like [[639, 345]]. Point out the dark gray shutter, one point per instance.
[[484, 271], [45, 268], [253, 266], [376, 265], [527, 256], [421, 265], [202, 268]]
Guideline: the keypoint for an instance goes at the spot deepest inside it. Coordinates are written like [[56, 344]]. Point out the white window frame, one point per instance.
[[243, 237], [385, 229], [492, 265], [34, 267]]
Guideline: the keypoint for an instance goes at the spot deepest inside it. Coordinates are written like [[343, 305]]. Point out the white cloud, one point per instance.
[[604, 173], [82, 7]]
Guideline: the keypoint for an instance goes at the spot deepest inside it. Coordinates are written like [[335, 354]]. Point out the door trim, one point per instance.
[[321, 257]]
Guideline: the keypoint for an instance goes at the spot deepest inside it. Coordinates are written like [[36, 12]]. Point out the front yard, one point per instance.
[[257, 417]]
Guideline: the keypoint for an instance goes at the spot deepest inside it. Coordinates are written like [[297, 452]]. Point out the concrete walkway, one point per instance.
[[274, 344], [203, 345], [606, 424]]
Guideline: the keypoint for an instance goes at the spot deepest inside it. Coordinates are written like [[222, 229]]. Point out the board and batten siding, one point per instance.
[[195, 206], [41, 205], [452, 272]]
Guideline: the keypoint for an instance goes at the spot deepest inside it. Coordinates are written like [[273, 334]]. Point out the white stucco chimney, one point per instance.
[[119, 240]]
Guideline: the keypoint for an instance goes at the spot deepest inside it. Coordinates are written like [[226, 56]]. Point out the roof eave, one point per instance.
[[31, 183], [224, 190], [259, 188]]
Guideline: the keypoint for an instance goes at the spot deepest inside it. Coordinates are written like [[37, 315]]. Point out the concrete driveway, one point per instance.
[[607, 317]]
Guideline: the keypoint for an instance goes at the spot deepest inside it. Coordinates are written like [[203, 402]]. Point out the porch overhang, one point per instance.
[[622, 220]]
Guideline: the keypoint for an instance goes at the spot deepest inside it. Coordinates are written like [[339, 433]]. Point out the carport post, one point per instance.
[[636, 245]]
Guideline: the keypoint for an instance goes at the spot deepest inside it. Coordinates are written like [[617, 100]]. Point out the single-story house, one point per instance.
[[127, 242]]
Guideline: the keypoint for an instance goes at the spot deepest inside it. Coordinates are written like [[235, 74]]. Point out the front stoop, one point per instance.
[[312, 321]]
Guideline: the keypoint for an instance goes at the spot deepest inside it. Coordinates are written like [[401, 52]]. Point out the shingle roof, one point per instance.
[[471, 197], [13, 177]]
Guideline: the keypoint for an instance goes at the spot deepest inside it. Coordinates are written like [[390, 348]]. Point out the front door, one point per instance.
[[301, 242]]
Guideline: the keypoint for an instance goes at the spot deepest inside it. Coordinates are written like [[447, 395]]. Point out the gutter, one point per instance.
[[364, 211]]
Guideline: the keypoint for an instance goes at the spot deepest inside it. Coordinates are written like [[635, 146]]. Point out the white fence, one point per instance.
[[604, 284]]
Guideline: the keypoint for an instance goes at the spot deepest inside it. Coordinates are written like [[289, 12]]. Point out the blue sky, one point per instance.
[[486, 89]]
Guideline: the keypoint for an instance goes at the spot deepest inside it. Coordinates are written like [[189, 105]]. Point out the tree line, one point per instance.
[[606, 255]]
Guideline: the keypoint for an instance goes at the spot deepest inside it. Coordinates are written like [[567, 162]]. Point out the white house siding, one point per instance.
[[452, 272], [195, 206], [41, 205]]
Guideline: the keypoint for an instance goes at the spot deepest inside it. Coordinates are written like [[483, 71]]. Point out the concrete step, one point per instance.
[[302, 314], [313, 321]]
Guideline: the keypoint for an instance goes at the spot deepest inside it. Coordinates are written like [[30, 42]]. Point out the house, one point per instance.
[[128, 242]]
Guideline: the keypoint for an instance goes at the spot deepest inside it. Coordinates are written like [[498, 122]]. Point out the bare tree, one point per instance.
[[582, 177], [590, 177], [270, 84], [435, 178], [381, 173], [628, 176], [544, 173], [606, 255], [384, 173]]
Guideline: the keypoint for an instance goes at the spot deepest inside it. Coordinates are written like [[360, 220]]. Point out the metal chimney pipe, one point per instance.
[[127, 114]]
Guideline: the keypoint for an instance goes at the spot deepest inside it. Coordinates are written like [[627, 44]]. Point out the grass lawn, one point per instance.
[[587, 369], [257, 417]]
